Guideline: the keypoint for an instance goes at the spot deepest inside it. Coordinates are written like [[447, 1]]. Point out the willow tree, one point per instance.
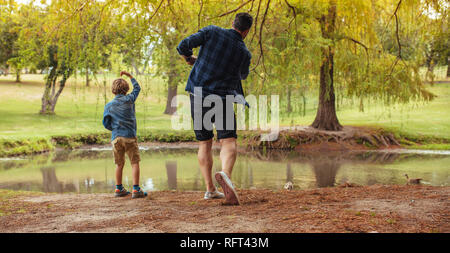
[[9, 35], [326, 117], [168, 23], [97, 31], [54, 37], [437, 50], [60, 49], [8, 39], [352, 53]]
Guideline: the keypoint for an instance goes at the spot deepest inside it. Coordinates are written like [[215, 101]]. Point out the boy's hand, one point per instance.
[[125, 73]]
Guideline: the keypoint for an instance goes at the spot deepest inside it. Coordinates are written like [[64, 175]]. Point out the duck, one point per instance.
[[413, 180], [289, 186]]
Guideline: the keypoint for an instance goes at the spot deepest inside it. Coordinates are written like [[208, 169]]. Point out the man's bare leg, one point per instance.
[[228, 155], [205, 161]]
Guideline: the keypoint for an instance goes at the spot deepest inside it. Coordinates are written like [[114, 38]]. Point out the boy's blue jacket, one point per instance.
[[120, 114]]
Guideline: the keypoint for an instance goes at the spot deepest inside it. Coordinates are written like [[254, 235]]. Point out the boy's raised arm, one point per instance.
[[136, 88]]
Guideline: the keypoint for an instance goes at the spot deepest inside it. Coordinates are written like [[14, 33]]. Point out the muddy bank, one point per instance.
[[375, 208]]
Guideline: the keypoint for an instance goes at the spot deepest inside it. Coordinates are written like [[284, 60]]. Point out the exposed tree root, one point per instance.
[[296, 137]]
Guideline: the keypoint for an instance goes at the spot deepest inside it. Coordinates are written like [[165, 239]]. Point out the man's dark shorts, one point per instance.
[[205, 131]]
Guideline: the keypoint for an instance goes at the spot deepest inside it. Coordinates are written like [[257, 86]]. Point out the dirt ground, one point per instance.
[[341, 209]]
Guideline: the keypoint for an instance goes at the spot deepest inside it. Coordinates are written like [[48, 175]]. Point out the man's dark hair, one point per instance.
[[243, 21]]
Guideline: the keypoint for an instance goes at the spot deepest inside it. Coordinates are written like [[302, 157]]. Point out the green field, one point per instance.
[[79, 110]]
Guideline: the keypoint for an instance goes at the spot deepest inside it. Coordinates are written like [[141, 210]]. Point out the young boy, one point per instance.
[[120, 118]]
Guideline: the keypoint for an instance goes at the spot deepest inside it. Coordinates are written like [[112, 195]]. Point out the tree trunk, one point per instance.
[[87, 77], [49, 99], [326, 118], [304, 105], [18, 76], [430, 67], [289, 104], [46, 97], [171, 93], [136, 69], [448, 66]]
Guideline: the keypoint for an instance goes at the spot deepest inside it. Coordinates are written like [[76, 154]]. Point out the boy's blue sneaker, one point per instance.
[[121, 192], [138, 194]]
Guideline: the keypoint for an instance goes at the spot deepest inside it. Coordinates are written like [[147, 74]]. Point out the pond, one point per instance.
[[91, 171]]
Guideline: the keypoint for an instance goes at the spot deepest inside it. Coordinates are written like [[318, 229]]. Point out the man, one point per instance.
[[223, 61]]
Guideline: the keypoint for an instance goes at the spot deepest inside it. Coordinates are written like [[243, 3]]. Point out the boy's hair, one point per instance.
[[120, 86], [243, 21]]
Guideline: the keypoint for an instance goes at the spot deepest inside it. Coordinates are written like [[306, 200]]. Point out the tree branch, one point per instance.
[[357, 42], [199, 13], [234, 10], [149, 19], [67, 18], [256, 21], [291, 7], [396, 30], [365, 48], [261, 56], [156, 11]]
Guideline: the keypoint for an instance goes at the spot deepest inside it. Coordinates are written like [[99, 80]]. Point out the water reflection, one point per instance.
[[87, 171], [197, 181], [171, 169], [325, 172], [289, 173], [250, 175], [50, 182]]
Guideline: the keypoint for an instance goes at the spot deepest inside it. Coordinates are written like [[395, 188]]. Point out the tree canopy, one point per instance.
[[359, 49]]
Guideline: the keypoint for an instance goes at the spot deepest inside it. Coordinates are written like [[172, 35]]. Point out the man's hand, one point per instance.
[[190, 60], [125, 73]]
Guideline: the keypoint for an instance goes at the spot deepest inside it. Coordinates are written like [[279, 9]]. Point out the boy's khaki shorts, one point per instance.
[[122, 145]]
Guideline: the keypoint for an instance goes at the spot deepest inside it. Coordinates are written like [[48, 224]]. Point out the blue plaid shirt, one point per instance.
[[222, 62], [120, 114]]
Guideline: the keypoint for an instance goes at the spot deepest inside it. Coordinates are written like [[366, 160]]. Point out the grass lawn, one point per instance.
[[430, 119], [80, 110]]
